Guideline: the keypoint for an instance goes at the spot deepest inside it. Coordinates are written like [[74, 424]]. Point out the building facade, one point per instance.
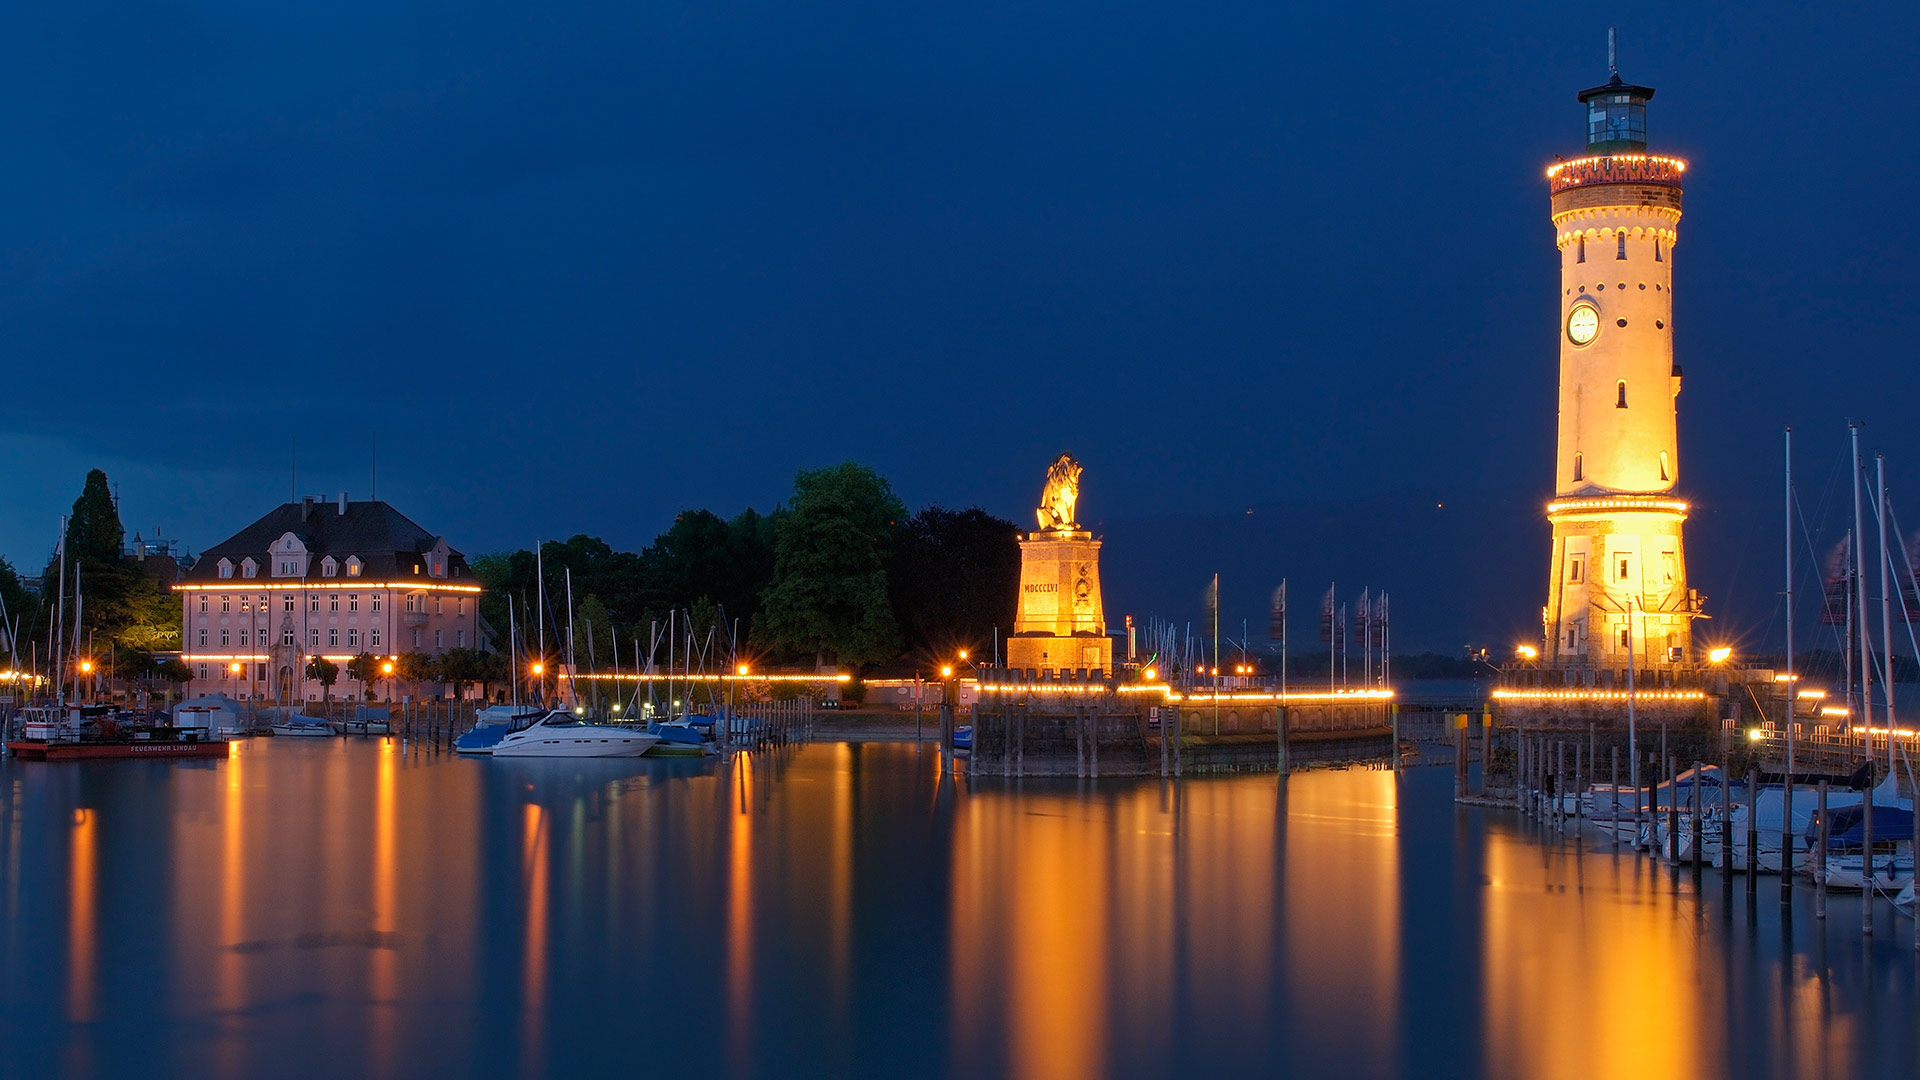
[[1617, 593], [329, 578]]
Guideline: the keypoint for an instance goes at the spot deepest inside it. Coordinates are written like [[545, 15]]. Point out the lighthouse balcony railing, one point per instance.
[[1615, 169]]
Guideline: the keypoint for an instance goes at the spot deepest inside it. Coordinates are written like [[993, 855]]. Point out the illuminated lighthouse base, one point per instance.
[[1618, 596]]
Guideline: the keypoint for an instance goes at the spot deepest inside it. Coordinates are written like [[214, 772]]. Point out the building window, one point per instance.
[[460, 639], [1663, 466], [416, 637], [1667, 559], [286, 636], [226, 569], [226, 637], [261, 671], [1573, 573], [353, 601], [248, 569], [373, 637], [460, 607], [439, 605], [439, 639], [353, 566], [1624, 643], [203, 604], [1579, 467], [1657, 256], [1621, 402], [288, 605], [244, 606], [333, 637], [353, 638], [313, 601], [328, 568], [243, 637], [333, 602], [226, 605], [1581, 255], [413, 602], [376, 601], [203, 641], [203, 671], [313, 637], [1623, 568], [1623, 246]]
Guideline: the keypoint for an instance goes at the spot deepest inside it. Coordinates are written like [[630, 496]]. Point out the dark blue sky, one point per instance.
[[584, 265]]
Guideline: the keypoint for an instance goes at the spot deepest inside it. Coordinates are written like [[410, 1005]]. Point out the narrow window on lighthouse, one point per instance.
[[1582, 255], [1623, 247], [1622, 402], [1656, 250], [1578, 472], [1663, 466]]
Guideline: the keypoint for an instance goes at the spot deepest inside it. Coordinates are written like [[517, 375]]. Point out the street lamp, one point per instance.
[[1719, 655], [1526, 652], [386, 669]]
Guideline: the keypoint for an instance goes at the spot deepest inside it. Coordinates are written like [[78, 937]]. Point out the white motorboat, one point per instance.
[[562, 735]]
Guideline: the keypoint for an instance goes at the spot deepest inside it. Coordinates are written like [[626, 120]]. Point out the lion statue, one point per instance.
[[1057, 499]]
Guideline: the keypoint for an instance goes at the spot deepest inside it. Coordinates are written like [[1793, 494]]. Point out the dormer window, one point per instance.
[[226, 568], [249, 568], [353, 566], [329, 568]]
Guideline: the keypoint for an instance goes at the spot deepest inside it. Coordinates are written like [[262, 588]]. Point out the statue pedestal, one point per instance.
[[1060, 625]]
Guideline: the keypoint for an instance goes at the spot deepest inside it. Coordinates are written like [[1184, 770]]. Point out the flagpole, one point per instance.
[[1216, 652]]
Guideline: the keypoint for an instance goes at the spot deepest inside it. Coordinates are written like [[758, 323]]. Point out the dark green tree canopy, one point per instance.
[[94, 533], [829, 591], [955, 578]]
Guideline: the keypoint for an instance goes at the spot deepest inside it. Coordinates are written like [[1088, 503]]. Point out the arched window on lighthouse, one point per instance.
[[1664, 474], [1581, 255], [1579, 473], [1621, 403], [1623, 245], [1656, 250]]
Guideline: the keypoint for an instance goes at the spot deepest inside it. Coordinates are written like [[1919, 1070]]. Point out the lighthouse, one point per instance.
[[1617, 592]]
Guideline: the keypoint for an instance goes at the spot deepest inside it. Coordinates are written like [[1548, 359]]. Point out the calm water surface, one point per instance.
[[350, 909]]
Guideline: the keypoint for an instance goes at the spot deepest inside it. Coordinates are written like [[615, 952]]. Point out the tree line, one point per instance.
[[838, 574]]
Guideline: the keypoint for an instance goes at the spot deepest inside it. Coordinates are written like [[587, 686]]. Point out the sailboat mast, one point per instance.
[[1793, 692], [1865, 715], [1886, 602]]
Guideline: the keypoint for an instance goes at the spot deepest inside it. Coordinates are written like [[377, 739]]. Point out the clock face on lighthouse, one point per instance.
[[1583, 323]]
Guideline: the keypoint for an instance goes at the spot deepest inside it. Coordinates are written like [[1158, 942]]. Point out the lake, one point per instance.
[[355, 908]]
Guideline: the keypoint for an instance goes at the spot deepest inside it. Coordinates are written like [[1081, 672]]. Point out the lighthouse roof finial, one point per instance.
[[1613, 65]]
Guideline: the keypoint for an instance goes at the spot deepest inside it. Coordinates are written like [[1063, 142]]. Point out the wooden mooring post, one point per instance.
[[1613, 800], [1820, 856], [1699, 804], [1753, 832]]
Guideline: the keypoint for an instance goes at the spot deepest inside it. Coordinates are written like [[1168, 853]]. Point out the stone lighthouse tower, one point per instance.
[[1617, 585]]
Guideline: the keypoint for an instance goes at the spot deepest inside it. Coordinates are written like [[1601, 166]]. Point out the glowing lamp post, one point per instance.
[[386, 671], [1719, 655]]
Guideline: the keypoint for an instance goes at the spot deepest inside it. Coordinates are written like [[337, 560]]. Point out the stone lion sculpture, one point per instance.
[[1057, 499]]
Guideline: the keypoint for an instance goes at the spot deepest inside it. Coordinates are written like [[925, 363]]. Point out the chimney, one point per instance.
[[306, 507], [343, 504]]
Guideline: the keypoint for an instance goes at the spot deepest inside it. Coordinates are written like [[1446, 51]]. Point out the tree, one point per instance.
[[461, 668], [20, 611], [365, 669], [326, 673], [828, 596], [955, 577], [174, 670], [416, 668], [94, 532]]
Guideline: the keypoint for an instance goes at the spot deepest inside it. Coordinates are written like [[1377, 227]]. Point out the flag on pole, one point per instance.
[[1363, 619], [1326, 616], [1380, 621], [1277, 615], [1340, 624], [1839, 577], [1213, 599]]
